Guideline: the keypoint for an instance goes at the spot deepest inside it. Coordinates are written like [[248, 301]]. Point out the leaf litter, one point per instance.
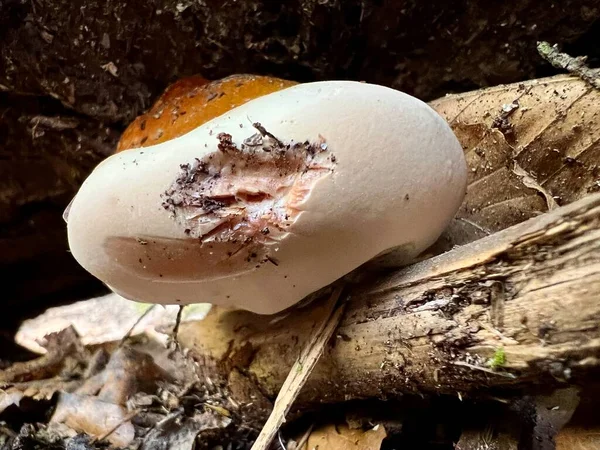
[[532, 138], [142, 395]]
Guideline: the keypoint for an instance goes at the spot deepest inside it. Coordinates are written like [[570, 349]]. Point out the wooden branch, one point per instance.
[[516, 309], [575, 65]]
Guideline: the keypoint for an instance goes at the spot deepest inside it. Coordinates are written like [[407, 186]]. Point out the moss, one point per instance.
[[498, 360]]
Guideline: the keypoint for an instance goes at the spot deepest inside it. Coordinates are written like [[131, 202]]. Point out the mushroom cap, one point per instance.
[[193, 101], [275, 199]]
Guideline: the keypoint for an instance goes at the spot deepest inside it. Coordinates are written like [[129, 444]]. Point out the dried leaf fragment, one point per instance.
[[341, 437], [95, 417]]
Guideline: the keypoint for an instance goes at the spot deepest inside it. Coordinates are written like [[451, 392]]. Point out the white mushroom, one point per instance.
[[272, 201]]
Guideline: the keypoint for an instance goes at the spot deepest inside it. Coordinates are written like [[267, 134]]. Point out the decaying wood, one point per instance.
[[578, 439], [516, 309]]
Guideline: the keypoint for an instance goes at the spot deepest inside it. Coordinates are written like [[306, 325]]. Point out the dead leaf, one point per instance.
[[529, 147], [341, 437], [64, 355], [127, 373], [104, 319], [119, 390], [95, 417], [179, 433]]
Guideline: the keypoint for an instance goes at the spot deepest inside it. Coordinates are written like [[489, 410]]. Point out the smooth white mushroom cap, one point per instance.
[[263, 226]]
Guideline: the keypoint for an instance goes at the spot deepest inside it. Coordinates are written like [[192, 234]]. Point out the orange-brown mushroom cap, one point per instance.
[[193, 101]]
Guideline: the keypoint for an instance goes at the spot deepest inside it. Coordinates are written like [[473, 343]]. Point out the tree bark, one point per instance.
[[517, 309]]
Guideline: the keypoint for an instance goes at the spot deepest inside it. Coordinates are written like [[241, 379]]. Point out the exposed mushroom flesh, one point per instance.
[[252, 192]]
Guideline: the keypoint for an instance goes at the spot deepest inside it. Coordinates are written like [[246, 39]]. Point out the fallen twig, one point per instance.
[[301, 370], [137, 322], [572, 64], [126, 419], [483, 369]]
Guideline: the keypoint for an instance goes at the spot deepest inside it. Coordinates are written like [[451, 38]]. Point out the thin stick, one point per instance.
[[177, 324], [301, 370], [575, 65], [137, 322], [302, 442], [126, 419]]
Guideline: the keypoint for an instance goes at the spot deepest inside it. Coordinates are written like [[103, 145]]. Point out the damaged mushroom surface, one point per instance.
[[279, 197]]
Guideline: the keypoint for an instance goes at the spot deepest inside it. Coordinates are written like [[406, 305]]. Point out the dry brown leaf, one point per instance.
[[127, 373], [529, 146], [105, 319], [64, 353], [95, 417], [342, 437]]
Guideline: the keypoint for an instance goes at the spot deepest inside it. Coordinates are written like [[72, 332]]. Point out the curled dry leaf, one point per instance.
[[530, 147], [64, 352]]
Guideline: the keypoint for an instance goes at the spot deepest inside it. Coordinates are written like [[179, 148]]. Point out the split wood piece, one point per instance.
[[301, 370], [516, 309]]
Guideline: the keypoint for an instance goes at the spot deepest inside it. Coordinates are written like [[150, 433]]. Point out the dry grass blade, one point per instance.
[[301, 370]]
